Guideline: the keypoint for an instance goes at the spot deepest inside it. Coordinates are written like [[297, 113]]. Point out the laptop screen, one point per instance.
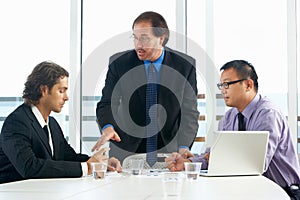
[[236, 153]]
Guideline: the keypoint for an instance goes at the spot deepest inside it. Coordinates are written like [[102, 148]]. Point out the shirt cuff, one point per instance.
[[184, 147], [84, 168], [107, 125]]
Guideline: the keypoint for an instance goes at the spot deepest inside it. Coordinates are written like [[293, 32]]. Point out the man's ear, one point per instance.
[[162, 39], [44, 89], [250, 84]]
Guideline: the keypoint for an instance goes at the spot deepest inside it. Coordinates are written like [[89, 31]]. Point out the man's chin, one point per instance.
[[57, 110], [227, 102], [141, 57]]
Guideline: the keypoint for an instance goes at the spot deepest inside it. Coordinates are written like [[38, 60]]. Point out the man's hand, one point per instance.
[[206, 156], [175, 162], [185, 153], [108, 134], [100, 156], [114, 165]]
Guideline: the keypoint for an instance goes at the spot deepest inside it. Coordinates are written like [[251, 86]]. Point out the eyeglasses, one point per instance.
[[143, 39], [225, 85]]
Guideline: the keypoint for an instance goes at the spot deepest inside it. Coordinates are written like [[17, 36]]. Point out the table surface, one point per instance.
[[125, 186]]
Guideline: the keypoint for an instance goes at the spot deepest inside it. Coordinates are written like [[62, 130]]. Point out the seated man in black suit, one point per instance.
[[32, 144]]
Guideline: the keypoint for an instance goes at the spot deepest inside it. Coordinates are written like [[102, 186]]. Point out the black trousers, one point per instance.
[[293, 193]]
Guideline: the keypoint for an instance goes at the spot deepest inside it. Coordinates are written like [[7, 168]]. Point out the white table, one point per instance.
[[143, 187]]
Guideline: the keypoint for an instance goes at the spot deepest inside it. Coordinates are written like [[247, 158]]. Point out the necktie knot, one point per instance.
[[152, 74], [242, 125], [46, 131]]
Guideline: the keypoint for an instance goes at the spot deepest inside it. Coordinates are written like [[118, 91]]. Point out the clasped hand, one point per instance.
[[176, 161]]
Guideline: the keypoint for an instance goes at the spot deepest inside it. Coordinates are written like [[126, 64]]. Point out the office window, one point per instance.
[[230, 30], [31, 32], [258, 38]]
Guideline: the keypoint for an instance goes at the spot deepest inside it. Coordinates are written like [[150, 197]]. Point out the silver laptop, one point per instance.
[[237, 153]]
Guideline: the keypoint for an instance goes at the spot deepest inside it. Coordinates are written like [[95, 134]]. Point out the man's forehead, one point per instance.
[[62, 81], [143, 30], [228, 74]]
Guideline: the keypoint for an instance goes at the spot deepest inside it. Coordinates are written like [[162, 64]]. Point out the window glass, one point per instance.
[[230, 30], [258, 38], [31, 32]]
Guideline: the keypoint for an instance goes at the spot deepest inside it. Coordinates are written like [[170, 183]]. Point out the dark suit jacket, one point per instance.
[[25, 152], [123, 102]]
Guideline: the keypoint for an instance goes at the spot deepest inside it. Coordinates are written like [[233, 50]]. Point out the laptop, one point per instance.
[[237, 153]]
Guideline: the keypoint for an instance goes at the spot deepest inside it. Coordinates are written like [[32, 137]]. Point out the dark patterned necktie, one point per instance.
[[152, 126], [46, 131], [47, 135], [242, 125]]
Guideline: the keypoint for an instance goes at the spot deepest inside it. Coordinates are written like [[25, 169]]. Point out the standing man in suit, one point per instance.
[[123, 112], [32, 144]]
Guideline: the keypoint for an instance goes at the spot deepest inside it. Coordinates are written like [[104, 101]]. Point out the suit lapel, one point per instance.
[[38, 129], [138, 78], [40, 132], [55, 138]]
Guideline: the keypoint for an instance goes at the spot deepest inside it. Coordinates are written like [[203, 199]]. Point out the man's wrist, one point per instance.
[[184, 147], [106, 126]]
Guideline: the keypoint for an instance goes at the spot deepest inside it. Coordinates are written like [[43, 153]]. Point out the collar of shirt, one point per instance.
[[247, 112], [42, 122], [157, 63], [39, 116]]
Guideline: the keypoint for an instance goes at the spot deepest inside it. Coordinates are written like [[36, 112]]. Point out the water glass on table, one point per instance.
[[192, 170], [172, 183], [136, 166], [99, 170]]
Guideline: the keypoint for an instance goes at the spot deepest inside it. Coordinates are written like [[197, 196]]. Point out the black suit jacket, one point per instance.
[[123, 102], [25, 151]]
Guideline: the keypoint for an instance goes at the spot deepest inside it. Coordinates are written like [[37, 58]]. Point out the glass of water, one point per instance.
[[136, 166], [172, 183], [192, 170]]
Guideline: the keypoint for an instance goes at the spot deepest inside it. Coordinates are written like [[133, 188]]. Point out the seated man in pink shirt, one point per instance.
[[239, 88]]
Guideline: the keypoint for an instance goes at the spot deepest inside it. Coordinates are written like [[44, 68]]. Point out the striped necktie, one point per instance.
[[152, 126]]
